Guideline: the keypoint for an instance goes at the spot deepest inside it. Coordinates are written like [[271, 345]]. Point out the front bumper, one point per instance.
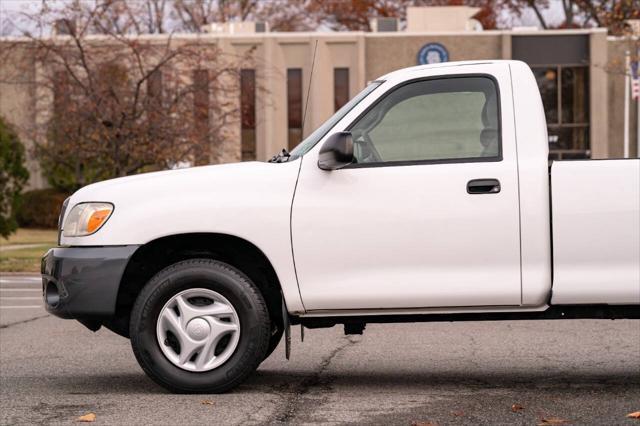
[[83, 282]]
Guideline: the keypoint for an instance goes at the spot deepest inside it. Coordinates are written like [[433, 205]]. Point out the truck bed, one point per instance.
[[595, 211]]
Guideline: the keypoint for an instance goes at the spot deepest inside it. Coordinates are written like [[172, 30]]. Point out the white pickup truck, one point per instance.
[[427, 197]]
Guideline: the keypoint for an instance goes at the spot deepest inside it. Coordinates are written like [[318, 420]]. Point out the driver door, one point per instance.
[[407, 226]]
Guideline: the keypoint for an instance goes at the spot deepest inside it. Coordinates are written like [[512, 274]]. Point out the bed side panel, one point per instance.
[[596, 231]]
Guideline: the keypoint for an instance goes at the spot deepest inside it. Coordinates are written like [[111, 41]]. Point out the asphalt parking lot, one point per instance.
[[580, 371]]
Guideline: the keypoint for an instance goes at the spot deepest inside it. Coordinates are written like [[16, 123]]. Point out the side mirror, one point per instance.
[[336, 152]]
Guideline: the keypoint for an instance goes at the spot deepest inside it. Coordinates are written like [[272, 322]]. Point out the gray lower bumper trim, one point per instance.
[[86, 279]]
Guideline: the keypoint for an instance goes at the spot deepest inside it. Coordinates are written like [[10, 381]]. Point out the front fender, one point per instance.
[[251, 201]]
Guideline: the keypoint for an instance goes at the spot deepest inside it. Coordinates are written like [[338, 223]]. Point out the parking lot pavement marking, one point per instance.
[[22, 307], [19, 278], [20, 283], [19, 298]]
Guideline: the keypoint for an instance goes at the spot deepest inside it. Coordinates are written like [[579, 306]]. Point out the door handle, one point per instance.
[[483, 186]]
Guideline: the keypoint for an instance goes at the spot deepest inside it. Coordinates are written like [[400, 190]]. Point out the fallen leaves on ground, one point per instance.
[[517, 407], [458, 413], [634, 415], [207, 402], [553, 421], [87, 418]]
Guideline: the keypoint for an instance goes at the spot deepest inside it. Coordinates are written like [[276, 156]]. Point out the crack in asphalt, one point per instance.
[[56, 413], [291, 405], [23, 321]]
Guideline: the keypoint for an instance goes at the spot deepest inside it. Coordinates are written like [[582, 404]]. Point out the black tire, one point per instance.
[[237, 289]]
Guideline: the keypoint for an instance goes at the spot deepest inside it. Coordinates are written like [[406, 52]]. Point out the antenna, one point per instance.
[[306, 102]]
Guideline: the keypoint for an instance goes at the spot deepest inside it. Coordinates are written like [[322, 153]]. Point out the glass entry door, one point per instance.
[[565, 96]]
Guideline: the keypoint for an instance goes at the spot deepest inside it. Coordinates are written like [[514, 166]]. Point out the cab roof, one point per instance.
[[397, 73]]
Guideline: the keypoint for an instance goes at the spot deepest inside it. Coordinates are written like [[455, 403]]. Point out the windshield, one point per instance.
[[304, 146]]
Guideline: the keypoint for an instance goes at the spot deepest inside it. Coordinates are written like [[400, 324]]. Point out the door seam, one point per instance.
[[515, 137], [293, 256]]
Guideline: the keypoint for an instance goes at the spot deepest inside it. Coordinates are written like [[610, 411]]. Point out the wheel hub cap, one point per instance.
[[198, 329]]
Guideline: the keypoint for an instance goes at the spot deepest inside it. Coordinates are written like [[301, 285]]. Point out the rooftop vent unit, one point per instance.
[[64, 27], [384, 25], [525, 28], [244, 27], [634, 26], [442, 18]]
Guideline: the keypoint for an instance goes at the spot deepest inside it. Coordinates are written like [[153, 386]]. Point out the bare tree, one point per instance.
[[536, 5], [115, 104], [282, 15], [611, 14], [355, 15], [195, 14]]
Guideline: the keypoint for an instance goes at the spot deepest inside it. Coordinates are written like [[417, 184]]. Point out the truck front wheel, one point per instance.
[[200, 326]]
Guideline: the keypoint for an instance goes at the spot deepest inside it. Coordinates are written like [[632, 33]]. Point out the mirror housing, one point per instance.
[[336, 152]]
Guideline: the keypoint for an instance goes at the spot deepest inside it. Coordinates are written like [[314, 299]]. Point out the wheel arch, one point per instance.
[[157, 254]]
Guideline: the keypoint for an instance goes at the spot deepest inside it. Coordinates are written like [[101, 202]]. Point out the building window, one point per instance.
[[154, 102], [564, 91], [61, 106], [154, 86], [248, 114], [201, 116], [61, 96], [294, 106], [340, 87], [201, 96]]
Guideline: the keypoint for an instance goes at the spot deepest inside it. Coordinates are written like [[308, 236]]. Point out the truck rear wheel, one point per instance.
[[200, 326]]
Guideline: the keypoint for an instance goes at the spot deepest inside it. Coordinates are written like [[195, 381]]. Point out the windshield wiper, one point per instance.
[[281, 157]]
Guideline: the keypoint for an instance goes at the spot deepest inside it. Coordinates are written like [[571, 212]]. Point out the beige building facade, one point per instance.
[[579, 73], [594, 94]]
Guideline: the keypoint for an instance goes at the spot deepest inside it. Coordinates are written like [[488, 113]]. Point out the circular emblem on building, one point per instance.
[[432, 53]]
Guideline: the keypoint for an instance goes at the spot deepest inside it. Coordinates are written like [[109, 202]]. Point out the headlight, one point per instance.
[[86, 218]]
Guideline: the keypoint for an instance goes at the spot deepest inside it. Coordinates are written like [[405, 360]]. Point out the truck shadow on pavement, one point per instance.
[[360, 381], [97, 384], [406, 380]]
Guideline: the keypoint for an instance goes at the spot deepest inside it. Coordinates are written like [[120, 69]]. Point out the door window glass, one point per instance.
[[447, 119]]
